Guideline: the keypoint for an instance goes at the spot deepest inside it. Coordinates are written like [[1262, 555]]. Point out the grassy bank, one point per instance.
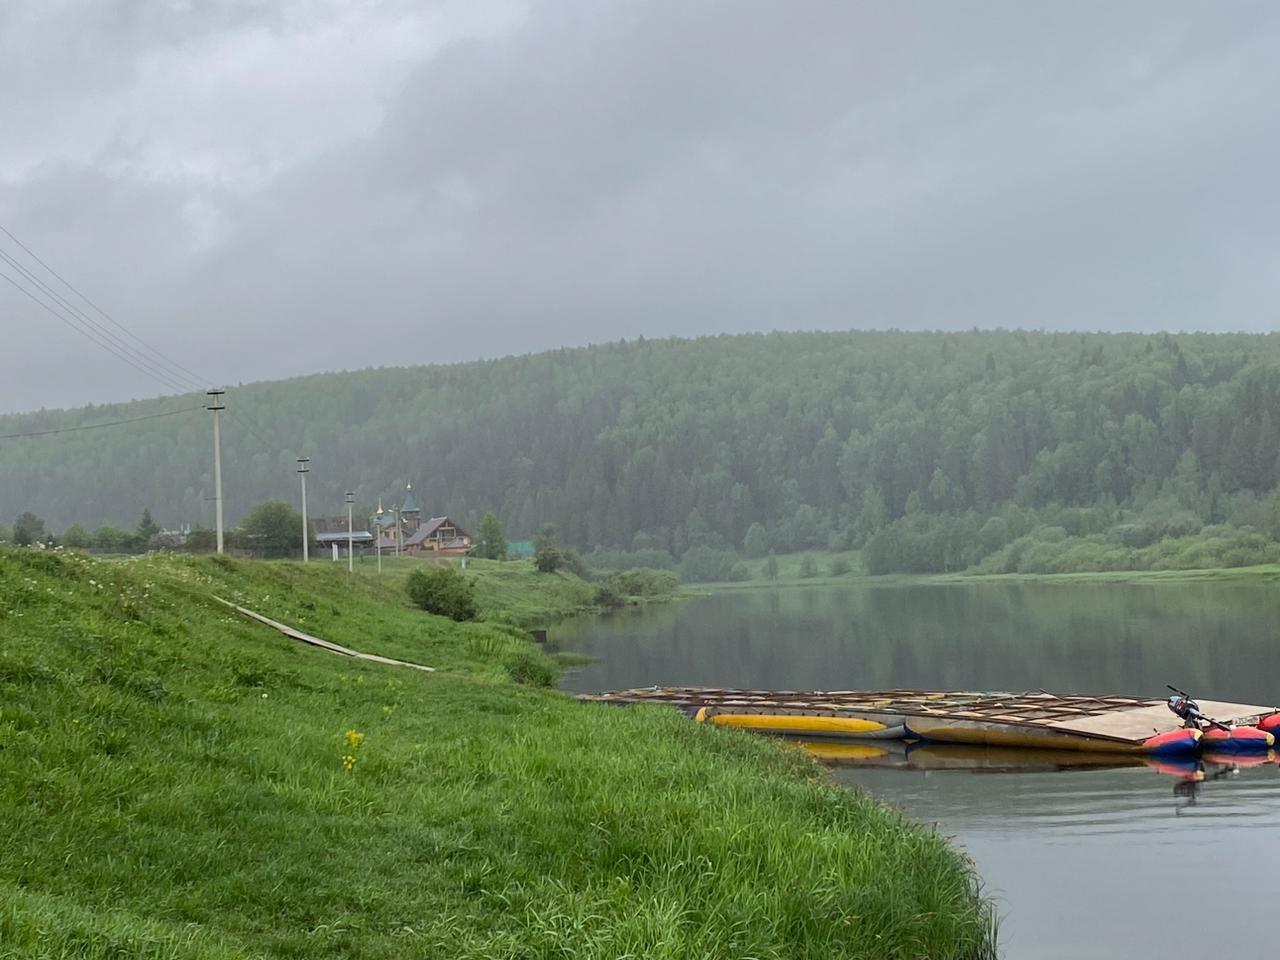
[[791, 565], [808, 567], [1261, 572], [510, 590], [177, 781]]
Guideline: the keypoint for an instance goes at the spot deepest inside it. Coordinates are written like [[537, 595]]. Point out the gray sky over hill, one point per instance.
[[267, 189]]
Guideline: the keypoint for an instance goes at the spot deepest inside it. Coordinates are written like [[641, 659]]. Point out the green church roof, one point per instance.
[[410, 505]]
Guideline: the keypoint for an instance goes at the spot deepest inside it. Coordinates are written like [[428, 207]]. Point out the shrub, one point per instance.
[[530, 668], [1135, 535], [201, 539], [444, 592], [703, 564], [808, 568], [840, 567], [1184, 523], [572, 561], [756, 543], [547, 555], [608, 594], [642, 582]]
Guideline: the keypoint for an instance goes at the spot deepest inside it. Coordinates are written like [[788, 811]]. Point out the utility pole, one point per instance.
[[303, 470], [350, 537], [215, 404], [377, 534], [396, 511]]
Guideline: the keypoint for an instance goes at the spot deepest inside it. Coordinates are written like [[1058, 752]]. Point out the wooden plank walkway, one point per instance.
[[290, 632]]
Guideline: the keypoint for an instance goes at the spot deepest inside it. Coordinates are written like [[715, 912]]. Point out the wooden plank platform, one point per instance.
[[1031, 718]]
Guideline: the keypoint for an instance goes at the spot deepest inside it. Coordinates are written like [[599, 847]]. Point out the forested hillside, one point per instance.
[[934, 450]]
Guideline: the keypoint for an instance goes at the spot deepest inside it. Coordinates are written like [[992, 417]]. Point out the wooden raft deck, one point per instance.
[[1029, 719]]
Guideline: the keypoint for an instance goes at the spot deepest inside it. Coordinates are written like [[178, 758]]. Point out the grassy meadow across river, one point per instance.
[[833, 568], [179, 781]]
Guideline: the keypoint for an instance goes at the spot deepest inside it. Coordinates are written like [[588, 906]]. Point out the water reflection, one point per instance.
[[1109, 859], [1188, 775], [1213, 638], [1139, 861]]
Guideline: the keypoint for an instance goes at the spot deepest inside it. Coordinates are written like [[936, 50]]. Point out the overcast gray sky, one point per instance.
[[269, 189]]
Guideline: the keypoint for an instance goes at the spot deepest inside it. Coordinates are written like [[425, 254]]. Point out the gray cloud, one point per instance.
[[280, 189]]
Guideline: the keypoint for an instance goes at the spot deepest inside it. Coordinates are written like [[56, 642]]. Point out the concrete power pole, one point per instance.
[[216, 405], [303, 470], [377, 534], [350, 537]]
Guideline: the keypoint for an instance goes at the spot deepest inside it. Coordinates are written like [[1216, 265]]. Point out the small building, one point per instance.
[[331, 530]]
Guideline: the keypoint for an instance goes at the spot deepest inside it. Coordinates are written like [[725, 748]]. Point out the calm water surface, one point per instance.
[[1122, 862]]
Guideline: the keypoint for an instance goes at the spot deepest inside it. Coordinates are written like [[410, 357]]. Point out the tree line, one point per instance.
[[928, 450]]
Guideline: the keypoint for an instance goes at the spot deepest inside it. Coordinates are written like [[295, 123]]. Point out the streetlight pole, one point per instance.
[[215, 404], [350, 537], [303, 470]]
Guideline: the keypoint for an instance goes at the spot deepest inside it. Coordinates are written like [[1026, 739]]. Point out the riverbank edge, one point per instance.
[[1261, 573], [679, 797]]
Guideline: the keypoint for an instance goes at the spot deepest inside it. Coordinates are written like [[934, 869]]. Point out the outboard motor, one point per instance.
[[1186, 710]]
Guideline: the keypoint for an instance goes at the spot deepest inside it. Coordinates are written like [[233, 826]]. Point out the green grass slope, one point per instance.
[[179, 782], [509, 590]]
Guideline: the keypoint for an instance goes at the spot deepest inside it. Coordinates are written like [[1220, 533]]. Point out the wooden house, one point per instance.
[[439, 537]]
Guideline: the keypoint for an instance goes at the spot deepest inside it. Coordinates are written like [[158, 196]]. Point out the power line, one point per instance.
[[98, 426], [105, 344], [254, 433], [66, 283], [100, 335], [174, 376]]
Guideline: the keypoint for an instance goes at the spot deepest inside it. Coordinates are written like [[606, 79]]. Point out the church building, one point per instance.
[[434, 537]]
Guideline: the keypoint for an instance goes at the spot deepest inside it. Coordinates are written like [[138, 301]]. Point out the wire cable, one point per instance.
[[66, 283], [174, 376], [259, 437], [83, 323], [105, 344], [98, 426]]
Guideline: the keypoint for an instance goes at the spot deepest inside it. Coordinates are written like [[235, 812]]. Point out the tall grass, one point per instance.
[[174, 782]]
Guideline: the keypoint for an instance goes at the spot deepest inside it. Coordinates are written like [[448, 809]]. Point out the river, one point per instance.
[[1112, 862]]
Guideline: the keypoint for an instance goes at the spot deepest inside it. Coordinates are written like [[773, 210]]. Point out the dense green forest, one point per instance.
[[932, 451]]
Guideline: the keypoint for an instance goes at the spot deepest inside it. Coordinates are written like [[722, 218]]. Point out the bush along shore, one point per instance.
[[179, 781]]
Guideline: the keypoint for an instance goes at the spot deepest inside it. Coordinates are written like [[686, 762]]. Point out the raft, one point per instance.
[[804, 725], [1243, 739], [1036, 720]]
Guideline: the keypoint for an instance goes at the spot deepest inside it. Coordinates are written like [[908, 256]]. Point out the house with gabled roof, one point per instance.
[[440, 537]]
